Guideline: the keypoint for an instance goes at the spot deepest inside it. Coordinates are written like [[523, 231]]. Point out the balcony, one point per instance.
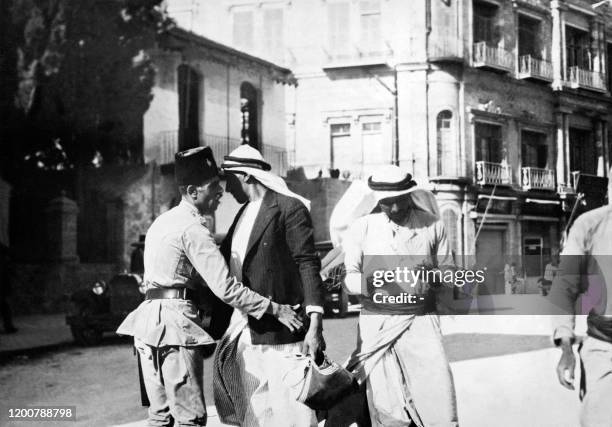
[[537, 179], [585, 79], [494, 58], [569, 189], [488, 173], [167, 143], [537, 69], [358, 56], [445, 49], [167, 146]]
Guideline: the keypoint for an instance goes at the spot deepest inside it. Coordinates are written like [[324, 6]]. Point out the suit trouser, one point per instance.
[[173, 377], [596, 355]]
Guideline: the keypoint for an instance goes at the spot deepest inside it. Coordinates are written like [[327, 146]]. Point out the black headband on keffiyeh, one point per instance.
[[245, 162], [404, 184]]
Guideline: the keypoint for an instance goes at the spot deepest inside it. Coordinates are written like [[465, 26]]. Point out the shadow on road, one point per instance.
[[24, 356]]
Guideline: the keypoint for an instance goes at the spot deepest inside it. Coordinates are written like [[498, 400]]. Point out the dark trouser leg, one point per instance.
[[7, 316], [182, 370], [159, 411]]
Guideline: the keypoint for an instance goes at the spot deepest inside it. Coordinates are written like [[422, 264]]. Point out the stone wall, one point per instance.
[[117, 204]]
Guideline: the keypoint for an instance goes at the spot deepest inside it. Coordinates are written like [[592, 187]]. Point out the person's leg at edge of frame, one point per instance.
[[183, 375], [159, 410], [596, 410]]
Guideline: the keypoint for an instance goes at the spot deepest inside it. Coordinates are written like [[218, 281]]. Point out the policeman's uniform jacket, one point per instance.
[[180, 252]]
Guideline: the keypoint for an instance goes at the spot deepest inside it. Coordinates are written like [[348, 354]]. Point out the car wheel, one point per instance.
[[86, 336]]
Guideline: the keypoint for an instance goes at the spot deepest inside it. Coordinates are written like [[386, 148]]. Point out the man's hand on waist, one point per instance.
[[286, 315]]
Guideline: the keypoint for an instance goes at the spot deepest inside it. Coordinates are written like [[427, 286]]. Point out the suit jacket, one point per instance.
[[280, 263]]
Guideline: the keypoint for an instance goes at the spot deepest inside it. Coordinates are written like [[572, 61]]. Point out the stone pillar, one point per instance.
[[558, 43], [566, 150], [562, 160], [606, 146], [598, 44], [599, 147], [61, 214]]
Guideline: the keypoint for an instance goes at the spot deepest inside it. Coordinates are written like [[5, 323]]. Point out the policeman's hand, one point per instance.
[[314, 343], [287, 316], [567, 363]]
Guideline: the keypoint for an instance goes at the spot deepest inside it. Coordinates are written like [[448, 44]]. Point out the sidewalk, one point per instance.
[[36, 332]]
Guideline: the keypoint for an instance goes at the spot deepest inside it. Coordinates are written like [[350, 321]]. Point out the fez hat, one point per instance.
[[194, 166], [140, 243]]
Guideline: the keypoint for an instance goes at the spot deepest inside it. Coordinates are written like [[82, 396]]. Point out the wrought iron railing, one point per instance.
[[167, 143], [581, 78], [492, 56], [488, 173], [537, 68], [537, 178], [363, 54]]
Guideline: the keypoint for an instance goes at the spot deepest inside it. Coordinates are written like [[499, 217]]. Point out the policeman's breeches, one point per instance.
[[173, 377]]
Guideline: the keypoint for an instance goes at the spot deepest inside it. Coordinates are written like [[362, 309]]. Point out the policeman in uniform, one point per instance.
[[180, 256]]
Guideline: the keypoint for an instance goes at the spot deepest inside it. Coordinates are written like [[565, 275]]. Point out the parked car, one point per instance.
[[101, 308]]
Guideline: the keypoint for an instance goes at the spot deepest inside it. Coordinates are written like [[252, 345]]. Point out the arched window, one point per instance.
[[445, 143], [189, 107], [249, 113], [449, 218]]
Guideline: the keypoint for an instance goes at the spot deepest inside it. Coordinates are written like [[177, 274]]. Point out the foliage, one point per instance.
[[83, 78]]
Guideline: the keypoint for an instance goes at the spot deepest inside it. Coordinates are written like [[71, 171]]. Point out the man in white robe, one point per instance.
[[400, 354]]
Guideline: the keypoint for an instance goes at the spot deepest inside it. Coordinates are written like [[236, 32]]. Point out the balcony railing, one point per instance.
[[492, 57], [357, 56], [569, 188], [537, 179], [532, 68], [167, 143], [277, 157], [585, 79], [445, 48], [488, 173]]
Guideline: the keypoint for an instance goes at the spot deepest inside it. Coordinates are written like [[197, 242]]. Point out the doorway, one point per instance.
[[490, 257]]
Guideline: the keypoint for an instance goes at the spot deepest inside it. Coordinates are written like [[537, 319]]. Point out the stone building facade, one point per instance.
[[498, 105], [205, 93]]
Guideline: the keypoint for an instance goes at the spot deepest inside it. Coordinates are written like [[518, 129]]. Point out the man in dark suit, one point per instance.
[[270, 247]]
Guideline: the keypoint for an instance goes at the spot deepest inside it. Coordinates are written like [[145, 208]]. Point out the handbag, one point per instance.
[[319, 386]]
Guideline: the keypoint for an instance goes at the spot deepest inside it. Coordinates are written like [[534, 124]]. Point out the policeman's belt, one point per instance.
[[170, 293]]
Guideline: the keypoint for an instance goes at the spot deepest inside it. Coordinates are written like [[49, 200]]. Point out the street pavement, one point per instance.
[[504, 370], [36, 332]]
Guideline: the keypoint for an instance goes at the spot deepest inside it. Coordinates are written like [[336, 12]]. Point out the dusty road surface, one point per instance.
[[500, 378]]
